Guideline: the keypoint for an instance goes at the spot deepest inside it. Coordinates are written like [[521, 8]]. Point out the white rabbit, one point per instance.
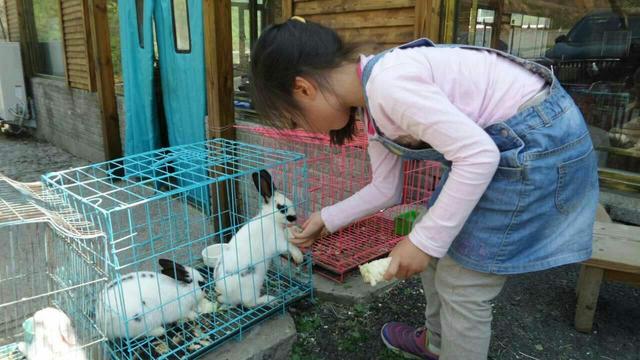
[[150, 300], [244, 262], [53, 338]]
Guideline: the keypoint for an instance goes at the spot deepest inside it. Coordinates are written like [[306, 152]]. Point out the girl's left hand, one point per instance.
[[406, 260]]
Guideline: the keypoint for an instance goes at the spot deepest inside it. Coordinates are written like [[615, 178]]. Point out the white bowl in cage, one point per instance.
[[211, 254]]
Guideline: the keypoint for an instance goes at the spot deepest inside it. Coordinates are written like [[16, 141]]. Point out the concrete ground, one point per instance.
[[533, 316]]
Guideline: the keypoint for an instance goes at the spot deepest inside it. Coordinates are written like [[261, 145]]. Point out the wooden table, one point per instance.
[[616, 256]]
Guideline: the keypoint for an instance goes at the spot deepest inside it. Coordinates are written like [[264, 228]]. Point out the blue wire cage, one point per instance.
[[41, 268], [148, 208]]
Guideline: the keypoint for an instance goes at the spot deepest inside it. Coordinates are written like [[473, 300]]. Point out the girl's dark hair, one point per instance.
[[284, 51]]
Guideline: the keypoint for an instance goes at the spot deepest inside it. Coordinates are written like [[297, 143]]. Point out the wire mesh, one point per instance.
[[147, 206], [40, 270], [337, 172]]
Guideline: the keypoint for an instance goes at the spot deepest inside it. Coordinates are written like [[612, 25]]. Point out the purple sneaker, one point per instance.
[[406, 340]]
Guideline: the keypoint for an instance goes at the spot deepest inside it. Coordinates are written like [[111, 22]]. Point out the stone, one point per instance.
[[353, 291], [270, 340]]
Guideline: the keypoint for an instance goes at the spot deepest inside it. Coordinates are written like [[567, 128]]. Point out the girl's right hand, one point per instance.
[[312, 230]]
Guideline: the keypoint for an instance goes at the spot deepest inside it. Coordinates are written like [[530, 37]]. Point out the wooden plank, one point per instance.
[[616, 247], [70, 3], [74, 42], [588, 297], [366, 19], [73, 22], [79, 85], [89, 48], [392, 34], [13, 20], [104, 78], [77, 61], [339, 6], [624, 277]]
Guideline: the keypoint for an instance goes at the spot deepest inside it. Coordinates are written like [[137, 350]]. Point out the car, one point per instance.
[[602, 46]]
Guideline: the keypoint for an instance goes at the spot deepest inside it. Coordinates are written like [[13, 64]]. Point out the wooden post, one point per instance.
[[590, 280], [427, 21], [220, 110], [219, 68], [104, 78], [287, 10], [422, 18], [497, 24]]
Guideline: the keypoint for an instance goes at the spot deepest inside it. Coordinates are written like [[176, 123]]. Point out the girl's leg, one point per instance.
[[465, 313], [432, 311]]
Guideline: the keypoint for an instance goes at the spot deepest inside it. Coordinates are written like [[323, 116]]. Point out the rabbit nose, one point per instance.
[[291, 218]]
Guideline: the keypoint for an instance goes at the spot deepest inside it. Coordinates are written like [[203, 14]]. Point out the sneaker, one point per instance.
[[407, 341]]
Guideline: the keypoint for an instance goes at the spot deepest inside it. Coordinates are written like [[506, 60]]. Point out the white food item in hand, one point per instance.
[[373, 272]]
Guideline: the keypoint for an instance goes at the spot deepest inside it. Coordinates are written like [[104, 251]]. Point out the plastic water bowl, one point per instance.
[[27, 326], [212, 253]]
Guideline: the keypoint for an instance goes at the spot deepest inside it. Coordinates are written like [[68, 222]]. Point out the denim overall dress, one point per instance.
[[539, 209]]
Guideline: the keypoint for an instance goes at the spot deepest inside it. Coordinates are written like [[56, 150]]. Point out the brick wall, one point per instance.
[[68, 118]]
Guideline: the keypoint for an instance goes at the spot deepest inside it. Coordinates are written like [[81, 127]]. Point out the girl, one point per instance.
[[522, 189]]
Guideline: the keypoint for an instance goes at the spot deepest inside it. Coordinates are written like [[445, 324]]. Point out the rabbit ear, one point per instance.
[[175, 270], [264, 185], [66, 331]]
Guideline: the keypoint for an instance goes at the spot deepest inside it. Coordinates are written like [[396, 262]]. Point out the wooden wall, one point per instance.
[[363, 22], [76, 36], [13, 23]]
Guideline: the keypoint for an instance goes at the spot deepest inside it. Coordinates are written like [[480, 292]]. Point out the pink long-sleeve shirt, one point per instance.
[[445, 97]]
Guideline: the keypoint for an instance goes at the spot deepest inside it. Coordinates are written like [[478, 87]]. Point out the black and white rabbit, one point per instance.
[[150, 300], [53, 338], [243, 265]]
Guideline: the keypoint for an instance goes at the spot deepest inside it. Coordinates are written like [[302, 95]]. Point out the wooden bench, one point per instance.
[[616, 256]]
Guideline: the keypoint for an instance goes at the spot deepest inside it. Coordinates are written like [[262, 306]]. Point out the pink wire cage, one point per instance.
[[334, 174]]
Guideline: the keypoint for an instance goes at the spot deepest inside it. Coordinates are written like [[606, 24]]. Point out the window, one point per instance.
[[595, 52], [181, 31], [49, 54]]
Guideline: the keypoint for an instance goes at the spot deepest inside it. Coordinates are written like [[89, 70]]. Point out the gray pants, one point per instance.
[[458, 310]]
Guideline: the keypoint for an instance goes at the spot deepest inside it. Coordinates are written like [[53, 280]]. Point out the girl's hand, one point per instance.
[[406, 260], [312, 230]]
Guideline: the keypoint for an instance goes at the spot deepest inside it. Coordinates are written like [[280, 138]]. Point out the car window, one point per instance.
[[634, 26], [593, 29]]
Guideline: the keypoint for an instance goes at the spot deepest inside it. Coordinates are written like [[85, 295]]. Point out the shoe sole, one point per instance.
[[404, 354]]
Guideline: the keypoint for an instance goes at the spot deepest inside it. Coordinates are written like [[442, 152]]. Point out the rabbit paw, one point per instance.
[[159, 331], [205, 306], [192, 315], [266, 299]]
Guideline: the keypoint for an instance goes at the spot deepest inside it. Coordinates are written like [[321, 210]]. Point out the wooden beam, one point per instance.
[[104, 78]]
